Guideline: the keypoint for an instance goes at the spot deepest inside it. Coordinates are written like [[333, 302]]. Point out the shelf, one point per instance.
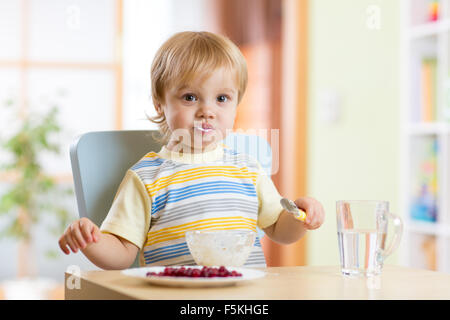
[[425, 148], [423, 227], [429, 228], [429, 29], [428, 128]]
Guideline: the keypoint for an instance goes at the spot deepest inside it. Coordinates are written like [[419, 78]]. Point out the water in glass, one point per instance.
[[360, 251]]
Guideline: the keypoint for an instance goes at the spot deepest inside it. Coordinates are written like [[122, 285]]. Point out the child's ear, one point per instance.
[[158, 108]]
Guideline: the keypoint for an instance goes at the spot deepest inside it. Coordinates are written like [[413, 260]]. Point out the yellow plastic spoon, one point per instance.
[[290, 206]]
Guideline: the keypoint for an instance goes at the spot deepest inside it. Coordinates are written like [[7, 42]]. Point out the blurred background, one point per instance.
[[358, 88]]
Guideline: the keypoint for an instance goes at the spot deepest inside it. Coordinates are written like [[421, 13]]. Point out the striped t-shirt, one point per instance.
[[167, 193]]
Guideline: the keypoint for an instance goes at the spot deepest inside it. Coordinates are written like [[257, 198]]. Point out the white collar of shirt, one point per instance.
[[203, 157]]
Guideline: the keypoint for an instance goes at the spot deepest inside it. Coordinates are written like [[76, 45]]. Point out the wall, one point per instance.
[[356, 156]]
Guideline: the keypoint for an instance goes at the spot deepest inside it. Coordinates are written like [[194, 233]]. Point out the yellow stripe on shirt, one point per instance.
[[178, 231], [151, 155], [179, 235], [201, 223], [192, 174]]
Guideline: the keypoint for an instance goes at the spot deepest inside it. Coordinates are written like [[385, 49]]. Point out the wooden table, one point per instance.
[[280, 283]]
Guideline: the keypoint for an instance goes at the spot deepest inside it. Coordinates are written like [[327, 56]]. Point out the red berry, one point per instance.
[[205, 272]]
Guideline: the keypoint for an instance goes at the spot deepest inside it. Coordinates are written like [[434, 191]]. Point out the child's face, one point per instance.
[[199, 113]]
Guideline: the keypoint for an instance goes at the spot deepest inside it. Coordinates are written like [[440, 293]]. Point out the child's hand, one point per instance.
[[315, 215], [78, 235]]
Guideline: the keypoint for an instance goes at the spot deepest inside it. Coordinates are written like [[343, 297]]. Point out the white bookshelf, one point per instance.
[[419, 39]]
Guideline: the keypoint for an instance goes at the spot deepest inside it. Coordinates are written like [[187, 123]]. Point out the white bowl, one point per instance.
[[229, 248]]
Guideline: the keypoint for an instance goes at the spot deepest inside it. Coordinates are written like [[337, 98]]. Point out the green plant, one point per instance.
[[32, 192]]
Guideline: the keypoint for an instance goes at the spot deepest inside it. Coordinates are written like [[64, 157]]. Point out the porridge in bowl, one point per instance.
[[220, 248]]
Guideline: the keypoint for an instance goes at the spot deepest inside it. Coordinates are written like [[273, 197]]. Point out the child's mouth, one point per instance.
[[204, 128]]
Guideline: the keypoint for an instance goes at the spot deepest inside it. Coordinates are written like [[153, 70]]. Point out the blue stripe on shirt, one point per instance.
[[175, 195]]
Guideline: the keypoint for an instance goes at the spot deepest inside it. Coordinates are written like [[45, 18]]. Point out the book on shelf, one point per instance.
[[433, 10], [428, 247], [446, 104], [424, 198], [428, 77]]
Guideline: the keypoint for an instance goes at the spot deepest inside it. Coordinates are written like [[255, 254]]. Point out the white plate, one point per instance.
[[141, 273]]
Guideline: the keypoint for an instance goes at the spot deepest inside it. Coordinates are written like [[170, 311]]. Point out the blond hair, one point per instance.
[[191, 54]]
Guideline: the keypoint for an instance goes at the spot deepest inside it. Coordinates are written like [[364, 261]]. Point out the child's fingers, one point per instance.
[[310, 219], [305, 205], [316, 217], [314, 223], [95, 233], [302, 203], [63, 245], [314, 211], [77, 236], [70, 241], [86, 229]]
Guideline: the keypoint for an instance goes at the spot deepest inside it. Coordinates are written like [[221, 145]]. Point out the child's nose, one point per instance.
[[205, 111]]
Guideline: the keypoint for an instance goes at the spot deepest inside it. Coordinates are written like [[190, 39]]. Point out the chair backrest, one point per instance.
[[100, 160], [253, 145], [99, 163]]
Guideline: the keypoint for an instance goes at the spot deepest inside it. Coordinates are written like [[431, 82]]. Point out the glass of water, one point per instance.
[[362, 228]]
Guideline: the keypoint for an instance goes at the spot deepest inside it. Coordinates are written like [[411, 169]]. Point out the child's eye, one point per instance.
[[189, 97], [222, 98]]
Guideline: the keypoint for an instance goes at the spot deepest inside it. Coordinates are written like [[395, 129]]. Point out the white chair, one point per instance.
[[100, 160]]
